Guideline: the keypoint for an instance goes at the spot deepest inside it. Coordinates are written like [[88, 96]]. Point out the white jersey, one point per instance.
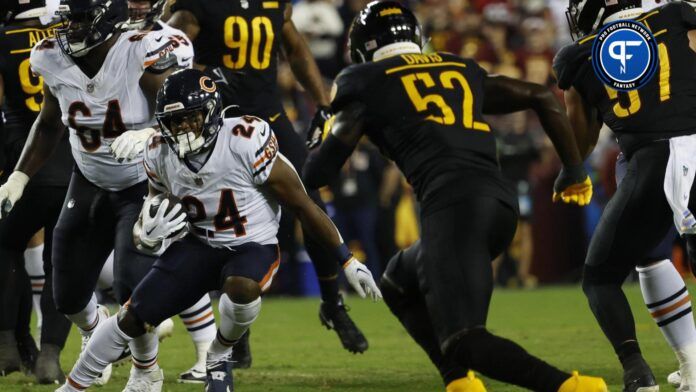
[[226, 203], [97, 110]]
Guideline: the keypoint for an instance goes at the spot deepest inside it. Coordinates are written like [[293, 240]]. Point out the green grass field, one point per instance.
[[293, 352]]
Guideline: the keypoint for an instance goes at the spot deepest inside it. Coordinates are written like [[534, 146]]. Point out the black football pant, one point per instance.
[[94, 221], [634, 222], [441, 287], [39, 207], [293, 148]]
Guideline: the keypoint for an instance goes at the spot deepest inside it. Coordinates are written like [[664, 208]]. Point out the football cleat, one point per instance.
[[241, 355], [578, 383], [47, 369], [335, 316], [28, 352], [10, 360], [470, 383], [219, 374], [194, 375], [145, 380], [644, 383], [674, 379]]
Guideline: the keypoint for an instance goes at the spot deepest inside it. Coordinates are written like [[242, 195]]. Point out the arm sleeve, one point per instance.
[[150, 162], [259, 151]]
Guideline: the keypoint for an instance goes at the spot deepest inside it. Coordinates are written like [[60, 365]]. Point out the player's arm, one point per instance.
[[307, 73], [2, 90], [43, 138], [284, 183], [586, 125], [507, 95], [185, 21], [324, 163]]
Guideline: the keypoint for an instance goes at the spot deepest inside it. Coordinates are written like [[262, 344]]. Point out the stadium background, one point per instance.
[[376, 211]]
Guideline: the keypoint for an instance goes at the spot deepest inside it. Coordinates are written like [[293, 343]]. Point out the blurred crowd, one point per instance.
[[372, 204]]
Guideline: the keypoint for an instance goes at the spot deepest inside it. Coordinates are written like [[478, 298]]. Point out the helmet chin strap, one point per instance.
[[395, 49], [625, 14]]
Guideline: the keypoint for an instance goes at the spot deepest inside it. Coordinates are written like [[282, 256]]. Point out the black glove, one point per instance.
[[316, 128]]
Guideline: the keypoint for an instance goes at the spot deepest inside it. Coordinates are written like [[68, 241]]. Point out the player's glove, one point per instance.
[[318, 125], [573, 186], [156, 229], [130, 143], [11, 191], [360, 277]]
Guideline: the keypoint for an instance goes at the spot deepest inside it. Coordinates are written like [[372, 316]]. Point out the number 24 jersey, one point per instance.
[[226, 203]]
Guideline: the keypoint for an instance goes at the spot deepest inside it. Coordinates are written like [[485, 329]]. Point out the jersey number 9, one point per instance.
[[31, 85], [257, 48]]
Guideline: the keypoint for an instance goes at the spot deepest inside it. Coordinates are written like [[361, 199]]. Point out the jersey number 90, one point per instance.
[[252, 41]]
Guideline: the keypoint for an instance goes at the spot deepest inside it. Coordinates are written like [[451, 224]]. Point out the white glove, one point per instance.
[[11, 191], [130, 143], [156, 229], [360, 277]]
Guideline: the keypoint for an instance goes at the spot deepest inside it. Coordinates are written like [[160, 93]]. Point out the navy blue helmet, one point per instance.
[[189, 111], [87, 23]]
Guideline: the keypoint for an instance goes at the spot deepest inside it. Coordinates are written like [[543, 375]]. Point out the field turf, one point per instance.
[[293, 352]]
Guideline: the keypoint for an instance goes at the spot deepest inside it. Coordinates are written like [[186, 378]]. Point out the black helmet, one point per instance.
[[140, 18], [22, 9], [380, 24], [87, 23], [585, 15], [184, 94]]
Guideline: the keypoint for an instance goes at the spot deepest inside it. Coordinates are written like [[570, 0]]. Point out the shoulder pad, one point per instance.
[[568, 61], [44, 56], [349, 85]]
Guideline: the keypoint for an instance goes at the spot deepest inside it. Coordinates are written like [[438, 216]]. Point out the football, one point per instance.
[[173, 200]]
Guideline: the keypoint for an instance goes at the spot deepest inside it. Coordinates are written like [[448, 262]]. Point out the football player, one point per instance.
[[232, 179], [651, 124], [21, 99], [199, 319], [238, 43], [99, 83], [425, 111]]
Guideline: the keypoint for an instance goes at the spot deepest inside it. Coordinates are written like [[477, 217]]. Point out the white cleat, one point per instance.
[[145, 380], [103, 312], [674, 379], [165, 329], [195, 375]]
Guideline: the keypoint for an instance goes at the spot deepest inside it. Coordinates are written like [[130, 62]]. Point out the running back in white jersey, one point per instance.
[[225, 199], [99, 109]]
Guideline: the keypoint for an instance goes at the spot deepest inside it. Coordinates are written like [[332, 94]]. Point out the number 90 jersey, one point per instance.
[[225, 201], [23, 89], [424, 111], [243, 38], [97, 110]]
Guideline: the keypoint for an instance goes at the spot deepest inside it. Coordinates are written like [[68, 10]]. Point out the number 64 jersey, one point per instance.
[[225, 201], [97, 110]]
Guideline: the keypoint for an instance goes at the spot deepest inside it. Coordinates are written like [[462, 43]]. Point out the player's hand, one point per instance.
[[130, 143], [573, 186], [157, 228], [360, 277], [11, 191], [318, 125]]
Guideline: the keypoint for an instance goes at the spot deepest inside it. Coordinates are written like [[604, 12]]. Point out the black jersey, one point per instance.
[[242, 38], [23, 89], [23, 99], [424, 111], [663, 108]]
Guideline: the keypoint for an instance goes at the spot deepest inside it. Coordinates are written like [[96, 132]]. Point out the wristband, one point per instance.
[[342, 254]]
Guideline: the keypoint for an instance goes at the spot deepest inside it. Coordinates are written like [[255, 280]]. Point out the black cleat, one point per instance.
[[241, 353], [27, 353], [638, 377], [335, 316], [10, 360], [47, 370]]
